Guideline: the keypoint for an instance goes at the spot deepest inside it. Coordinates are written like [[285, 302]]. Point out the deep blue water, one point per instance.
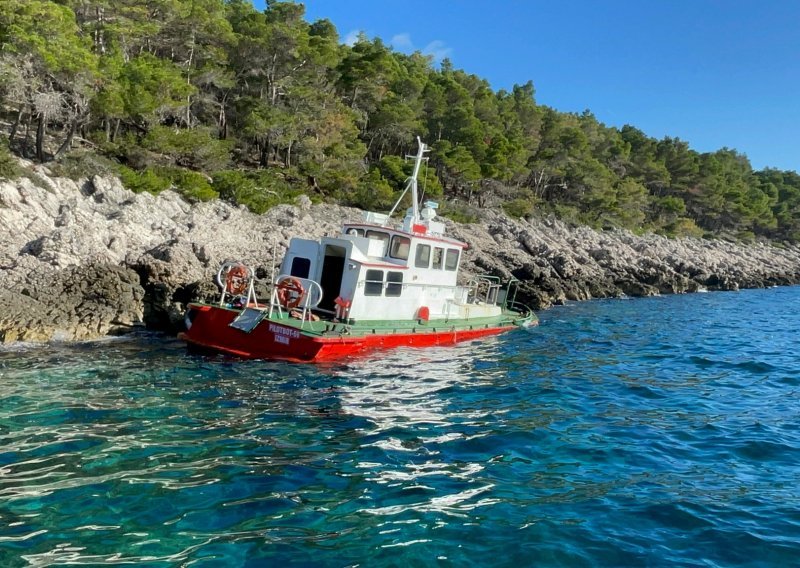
[[660, 432]]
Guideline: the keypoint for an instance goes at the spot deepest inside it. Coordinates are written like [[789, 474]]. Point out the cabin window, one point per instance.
[[379, 236], [400, 247], [300, 267], [355, 232], [423, 257], [373, 284], [451, 260], [394, 283], [438, 255]]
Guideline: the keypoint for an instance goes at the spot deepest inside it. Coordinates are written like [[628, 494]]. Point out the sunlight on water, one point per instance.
[[663, 431]]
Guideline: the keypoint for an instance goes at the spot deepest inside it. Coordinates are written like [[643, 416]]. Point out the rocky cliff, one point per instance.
[[82, 260]]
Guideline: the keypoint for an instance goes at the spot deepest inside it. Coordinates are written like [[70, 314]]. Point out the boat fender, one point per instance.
[[342, 307], [307, 316], [423, 313], [290, 292], [188, 318]]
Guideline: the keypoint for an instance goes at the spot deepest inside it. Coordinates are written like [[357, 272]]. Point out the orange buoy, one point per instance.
[[290, 292]]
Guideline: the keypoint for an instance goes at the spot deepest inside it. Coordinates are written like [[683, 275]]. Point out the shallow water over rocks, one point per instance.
[[658, 431]]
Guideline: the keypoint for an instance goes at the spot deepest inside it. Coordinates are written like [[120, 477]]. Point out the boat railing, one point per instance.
[[236, 280], [510, 294], [484, 289], [510, 302], [307, 298]]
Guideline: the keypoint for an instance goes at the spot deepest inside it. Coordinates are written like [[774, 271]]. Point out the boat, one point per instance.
[[378, 284]]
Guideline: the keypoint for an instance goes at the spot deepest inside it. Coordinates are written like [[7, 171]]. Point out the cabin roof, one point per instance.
[[421, 236]]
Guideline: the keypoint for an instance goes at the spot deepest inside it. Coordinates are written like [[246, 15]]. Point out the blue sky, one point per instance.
[[712, 72]]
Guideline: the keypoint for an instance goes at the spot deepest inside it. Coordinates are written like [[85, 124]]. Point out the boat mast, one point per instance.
[[412, 181]]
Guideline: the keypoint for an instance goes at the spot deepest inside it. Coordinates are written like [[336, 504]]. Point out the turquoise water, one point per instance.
[[661, 432]]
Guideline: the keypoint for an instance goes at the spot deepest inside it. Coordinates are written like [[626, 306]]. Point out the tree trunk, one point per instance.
[[27, 141], [189, 80], [272, 81], [99, 33], [116, 129], [14, 126], [189, 112], [67, 144], [222, 120], [40, 134]]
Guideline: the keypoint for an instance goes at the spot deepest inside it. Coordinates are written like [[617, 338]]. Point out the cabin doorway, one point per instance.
[[331, 278]]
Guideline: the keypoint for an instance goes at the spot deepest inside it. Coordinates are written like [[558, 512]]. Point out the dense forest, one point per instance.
[[217, 99]]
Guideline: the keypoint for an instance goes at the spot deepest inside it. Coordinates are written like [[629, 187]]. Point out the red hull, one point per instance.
[[210, 329]]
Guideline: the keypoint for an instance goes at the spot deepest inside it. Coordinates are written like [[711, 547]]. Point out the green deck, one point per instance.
[[385, 327]]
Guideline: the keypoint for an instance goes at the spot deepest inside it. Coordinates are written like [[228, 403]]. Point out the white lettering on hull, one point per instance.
[[283, 335]]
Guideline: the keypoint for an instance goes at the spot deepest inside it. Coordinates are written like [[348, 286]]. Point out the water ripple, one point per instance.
[[662, 431]]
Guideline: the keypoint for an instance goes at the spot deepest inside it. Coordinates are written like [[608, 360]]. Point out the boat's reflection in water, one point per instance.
[[422, 423]]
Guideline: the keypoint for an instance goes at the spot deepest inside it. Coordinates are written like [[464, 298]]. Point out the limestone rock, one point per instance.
[[82, 260]]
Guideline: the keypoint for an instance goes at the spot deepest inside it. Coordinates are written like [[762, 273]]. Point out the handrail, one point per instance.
[[513, 285], [221, 281], [306, 303], [493, 286]]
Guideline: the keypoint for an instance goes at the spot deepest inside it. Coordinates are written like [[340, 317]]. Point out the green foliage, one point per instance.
[[82, 164], [518, 208], [459, 212], [9, 167], [196, 148], [395, 171], [258, 191], [147, 180], [683, 227], [521, 206], [49, 32], [128, 150], [746, 236], [374, 193], [151, 87], [193, 186], [233, 185], [266, 105], [629, 206], [238, 188]]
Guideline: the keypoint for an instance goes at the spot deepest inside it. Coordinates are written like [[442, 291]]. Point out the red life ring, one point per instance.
[[290, 292], [237, 280]]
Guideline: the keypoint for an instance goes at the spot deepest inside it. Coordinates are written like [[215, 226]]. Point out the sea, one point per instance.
[[662, 431]]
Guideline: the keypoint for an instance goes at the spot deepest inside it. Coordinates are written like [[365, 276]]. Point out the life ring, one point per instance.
[[290, 292], [237, 280]]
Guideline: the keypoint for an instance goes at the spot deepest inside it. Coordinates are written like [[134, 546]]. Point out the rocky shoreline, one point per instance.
[[88, 259]]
